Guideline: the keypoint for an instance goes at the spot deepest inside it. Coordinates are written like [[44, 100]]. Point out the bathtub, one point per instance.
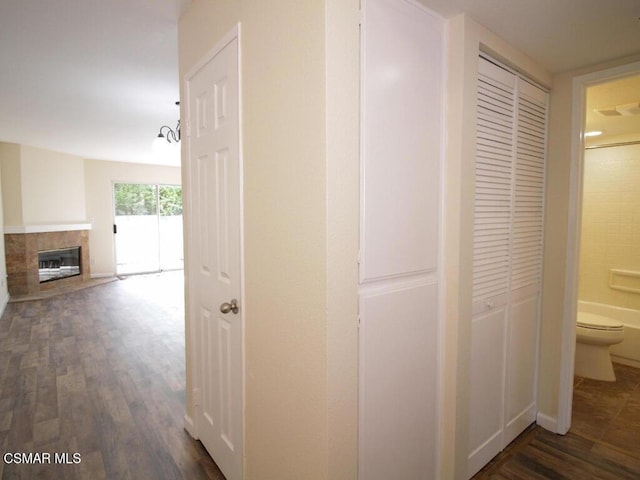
[[627, 352]]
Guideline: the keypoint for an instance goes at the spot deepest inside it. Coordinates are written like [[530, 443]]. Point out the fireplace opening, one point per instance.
[[57, 264]]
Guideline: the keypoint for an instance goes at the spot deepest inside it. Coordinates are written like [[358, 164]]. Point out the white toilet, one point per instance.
[[595, 334]]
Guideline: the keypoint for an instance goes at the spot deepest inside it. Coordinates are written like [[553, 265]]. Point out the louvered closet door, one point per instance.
[[507, 259], [495, 147], [526, 259]]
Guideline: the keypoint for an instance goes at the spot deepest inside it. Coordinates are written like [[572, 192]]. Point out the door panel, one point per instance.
[[401, 140], [398, 375], [521, 366], [215, 271], [487, 387]]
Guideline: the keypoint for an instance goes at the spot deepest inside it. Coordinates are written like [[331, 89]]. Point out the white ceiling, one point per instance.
[[561, 34], [97, 78], [94, 78]]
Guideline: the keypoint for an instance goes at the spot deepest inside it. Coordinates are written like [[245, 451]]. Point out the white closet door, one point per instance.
[[526, 259], [402, 50], [507, 259], [495, 147], [494, 163]]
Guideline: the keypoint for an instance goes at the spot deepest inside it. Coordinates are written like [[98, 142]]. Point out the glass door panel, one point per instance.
[[136, 228], [170, 227]]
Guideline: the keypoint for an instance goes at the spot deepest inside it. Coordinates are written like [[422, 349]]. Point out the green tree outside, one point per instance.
[[140, 199]]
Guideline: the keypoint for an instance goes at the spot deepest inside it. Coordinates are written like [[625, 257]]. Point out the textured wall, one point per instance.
[[610, 223]]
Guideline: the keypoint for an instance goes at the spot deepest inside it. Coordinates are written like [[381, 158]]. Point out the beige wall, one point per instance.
[[343, 209], [610, 236], [52, 187], [300, 132], [4, 291], [466, 39], [99, 178], [11, 184]]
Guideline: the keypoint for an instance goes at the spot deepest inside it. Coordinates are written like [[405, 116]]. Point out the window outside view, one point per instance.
[[148, 221]]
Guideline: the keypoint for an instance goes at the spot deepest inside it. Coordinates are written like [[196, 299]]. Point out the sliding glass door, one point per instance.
[[147, 227]]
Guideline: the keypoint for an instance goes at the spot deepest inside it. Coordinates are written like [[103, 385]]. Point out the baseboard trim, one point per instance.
[[625, 361], [190, 427], [547, 422], [102, 275], [3, 304]]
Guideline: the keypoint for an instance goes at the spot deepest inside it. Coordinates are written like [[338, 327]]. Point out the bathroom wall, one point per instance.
[[610, 225]]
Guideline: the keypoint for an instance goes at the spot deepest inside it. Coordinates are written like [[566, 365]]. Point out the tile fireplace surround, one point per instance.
[[22, 249]]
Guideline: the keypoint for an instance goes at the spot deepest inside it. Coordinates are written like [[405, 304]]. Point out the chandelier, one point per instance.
[[167, 135]]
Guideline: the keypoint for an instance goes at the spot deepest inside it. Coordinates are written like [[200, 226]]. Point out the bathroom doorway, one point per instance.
[[578, 87], [609, 265]]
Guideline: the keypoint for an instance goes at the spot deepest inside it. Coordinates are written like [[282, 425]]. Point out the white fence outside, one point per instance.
[[148, 243]]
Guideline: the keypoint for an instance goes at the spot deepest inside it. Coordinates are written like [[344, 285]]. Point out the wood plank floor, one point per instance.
[[99, 373], [603, 442]]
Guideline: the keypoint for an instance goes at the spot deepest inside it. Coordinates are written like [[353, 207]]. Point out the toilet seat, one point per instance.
[[598, 322]]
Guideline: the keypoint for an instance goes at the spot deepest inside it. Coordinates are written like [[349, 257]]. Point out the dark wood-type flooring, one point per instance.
[[99, 372], [603, 442]]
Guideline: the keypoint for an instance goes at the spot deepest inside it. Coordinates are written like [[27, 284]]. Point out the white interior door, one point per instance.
[[214, 174], [399, 245]]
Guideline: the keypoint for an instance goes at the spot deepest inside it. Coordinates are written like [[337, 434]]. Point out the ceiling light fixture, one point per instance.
[[593, 133], [169, 136]]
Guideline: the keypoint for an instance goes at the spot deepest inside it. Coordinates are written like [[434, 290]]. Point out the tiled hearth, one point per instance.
[[22, 259]]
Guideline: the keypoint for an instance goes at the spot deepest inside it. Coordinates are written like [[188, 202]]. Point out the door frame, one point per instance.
[[579, 87], [193, 377]]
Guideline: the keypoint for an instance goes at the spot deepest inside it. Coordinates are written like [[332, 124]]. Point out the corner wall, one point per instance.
[[99, 176], [4, 292], [11, 183]]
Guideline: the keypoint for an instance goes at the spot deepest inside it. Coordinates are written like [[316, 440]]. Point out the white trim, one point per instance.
[[103, 275], [3, 304], [568, 341], [441, 374], [190, 427], [210, 55], [547, 422], [238, 33], [45, 228]]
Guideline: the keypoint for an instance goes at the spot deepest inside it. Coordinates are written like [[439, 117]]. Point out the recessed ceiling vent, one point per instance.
[[627, 109]]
